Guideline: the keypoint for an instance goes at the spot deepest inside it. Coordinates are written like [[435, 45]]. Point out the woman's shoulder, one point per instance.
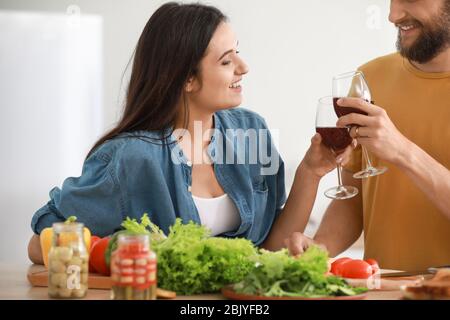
[[131, 145], [241, 118]]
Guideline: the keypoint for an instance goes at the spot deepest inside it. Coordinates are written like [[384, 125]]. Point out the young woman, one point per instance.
[[186, 79]]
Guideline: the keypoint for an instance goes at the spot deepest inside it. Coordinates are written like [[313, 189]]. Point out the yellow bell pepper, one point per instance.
[[46, 239]]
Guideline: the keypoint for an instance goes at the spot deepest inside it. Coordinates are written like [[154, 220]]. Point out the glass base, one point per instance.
[[341, 192], [370, 172]]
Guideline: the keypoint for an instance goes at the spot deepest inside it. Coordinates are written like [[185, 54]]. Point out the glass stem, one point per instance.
[[339, 174], [366, 155]]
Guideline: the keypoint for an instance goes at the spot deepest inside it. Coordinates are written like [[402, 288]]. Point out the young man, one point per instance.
[[405, 213]]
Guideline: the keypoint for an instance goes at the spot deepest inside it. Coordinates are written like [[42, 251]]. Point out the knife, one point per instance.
[[431, 270], [404, 274]]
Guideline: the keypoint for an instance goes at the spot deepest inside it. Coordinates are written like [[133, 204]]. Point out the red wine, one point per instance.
[[335, 138], [343, 111]]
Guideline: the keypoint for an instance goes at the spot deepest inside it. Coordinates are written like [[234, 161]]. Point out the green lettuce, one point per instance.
[[192, 262], [278, 274]]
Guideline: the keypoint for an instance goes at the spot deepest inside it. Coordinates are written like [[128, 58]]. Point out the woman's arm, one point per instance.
[[318, 161], [297, 209], [34, 250]]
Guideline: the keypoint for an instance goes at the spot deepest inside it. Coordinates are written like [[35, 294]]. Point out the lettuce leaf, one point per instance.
[[192, 262], [278, 274]]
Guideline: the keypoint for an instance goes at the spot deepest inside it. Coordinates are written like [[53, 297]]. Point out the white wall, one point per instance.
[[293, 49], [50, 112]]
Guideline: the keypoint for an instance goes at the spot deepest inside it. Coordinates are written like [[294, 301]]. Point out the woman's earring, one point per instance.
[[188, 87]]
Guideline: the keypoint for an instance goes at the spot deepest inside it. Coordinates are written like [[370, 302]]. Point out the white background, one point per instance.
[[60, 82]]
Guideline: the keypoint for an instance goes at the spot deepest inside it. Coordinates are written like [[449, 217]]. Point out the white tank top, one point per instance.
[[220, 215]]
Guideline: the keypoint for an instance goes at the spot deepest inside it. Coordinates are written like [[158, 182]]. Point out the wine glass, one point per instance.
[[353, 84], [337, 139]]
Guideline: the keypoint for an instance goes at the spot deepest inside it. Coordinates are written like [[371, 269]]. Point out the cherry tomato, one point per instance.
[[335, 265], [355, 269], [97, 257], [374, 264]]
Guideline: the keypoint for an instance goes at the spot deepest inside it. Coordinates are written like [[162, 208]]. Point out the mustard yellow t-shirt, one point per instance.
[[402, 229]]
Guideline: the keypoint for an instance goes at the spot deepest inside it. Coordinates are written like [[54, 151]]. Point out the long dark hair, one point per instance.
[[167, 55]]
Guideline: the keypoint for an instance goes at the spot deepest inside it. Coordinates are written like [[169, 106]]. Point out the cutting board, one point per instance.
[[38, 277]]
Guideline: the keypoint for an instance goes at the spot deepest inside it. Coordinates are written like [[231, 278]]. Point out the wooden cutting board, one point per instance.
[[38, 277]]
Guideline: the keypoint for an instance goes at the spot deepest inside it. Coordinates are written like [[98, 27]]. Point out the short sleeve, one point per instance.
[[94, 198]]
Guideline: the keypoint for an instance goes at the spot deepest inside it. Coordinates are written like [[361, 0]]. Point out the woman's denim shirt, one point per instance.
[[139, 173]]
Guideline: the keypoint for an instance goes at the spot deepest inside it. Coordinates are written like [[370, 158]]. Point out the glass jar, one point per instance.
[[133, 269], [68, 262]]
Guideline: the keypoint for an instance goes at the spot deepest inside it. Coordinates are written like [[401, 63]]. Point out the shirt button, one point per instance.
[[181, 153], [190, 189], [189, 164]]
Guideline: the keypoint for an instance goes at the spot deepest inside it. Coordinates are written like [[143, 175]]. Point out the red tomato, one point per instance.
[[374, 264], [94, 239], [97, 257], [355, 269], [335, 265]]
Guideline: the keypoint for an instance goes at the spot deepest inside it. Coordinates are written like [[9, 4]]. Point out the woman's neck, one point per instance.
[[195, 138], [198, 118]]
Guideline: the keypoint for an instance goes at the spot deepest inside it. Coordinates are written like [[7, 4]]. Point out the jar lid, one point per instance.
[[134, 242]]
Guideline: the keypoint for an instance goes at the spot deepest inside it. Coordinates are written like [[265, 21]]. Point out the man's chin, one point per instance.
[[404, 46], [407, 42]]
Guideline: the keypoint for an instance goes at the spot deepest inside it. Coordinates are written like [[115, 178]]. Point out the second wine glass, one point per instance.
[[353, 84]]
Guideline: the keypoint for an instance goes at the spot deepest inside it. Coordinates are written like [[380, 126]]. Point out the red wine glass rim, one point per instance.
[[326, 100], [348, 74]]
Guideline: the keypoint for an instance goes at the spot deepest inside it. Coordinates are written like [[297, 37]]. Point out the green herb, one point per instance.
[[70, 220], [278, 274], [132, 227]]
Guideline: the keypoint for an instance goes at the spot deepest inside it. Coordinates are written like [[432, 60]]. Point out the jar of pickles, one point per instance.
[[133, 269], [68, 261]]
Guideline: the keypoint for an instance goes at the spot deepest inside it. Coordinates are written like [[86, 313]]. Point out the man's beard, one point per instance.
[[432, 40]]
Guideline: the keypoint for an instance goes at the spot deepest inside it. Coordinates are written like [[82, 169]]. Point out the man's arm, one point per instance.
[[380, 136], [429, 175], [34, 250], [342, 223]]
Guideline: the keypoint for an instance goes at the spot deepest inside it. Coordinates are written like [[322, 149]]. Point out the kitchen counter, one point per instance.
[[14, 285]]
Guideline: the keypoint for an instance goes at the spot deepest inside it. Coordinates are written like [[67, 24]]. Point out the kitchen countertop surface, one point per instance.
[[14, 285]]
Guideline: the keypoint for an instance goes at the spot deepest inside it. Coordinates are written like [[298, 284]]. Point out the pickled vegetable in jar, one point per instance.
[[68, 261], [133, 269]]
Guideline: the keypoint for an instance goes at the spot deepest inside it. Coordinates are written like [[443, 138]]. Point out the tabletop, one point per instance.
[[15, 286]]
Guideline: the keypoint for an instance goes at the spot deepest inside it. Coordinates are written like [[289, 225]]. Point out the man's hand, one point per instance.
[[376, 132], [298, 243]]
